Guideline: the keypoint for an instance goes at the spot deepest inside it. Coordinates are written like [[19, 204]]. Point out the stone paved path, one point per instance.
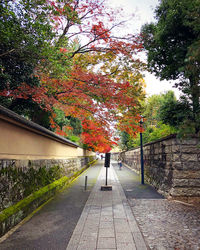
[[168, 225], [165, 225], [107, 221]]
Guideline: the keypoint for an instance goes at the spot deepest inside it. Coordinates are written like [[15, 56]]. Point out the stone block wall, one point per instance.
[[20, 178], [171, 165]]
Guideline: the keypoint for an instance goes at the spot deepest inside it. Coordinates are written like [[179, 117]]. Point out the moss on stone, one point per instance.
[[18, 183], [56, 185], [23, 203]]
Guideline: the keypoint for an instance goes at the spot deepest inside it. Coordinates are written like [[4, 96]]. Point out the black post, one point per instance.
[[106, 176], [142, 161], [107, 165], [85, 182]]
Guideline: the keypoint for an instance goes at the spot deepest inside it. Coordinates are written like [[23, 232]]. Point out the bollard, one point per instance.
[[86, 182]]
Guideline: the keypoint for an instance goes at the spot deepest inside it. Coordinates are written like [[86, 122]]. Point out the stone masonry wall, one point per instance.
[[171, 165], [20, 178]]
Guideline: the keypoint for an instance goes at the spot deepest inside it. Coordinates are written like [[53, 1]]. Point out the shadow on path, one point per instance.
[[130, 182]]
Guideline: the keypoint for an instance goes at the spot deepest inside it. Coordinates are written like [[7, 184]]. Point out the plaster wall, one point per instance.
[[21, 142]]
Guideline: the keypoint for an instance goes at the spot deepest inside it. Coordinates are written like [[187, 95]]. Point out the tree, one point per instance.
[[151, 108], [161, 119], [174, 112], [85, 70], [26, 34], [172, 47]]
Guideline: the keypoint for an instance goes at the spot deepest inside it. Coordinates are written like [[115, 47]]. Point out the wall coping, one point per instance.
[[172, 136], [20, 121]]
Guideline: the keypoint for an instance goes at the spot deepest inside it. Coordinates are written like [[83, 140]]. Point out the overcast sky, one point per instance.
[[144, 13]]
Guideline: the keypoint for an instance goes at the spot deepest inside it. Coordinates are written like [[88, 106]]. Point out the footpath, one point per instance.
[[131, 216], [107, 221], [134, 216]]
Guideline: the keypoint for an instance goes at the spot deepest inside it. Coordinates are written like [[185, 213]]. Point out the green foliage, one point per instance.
[[60, 118], [151, 107], [125, 138], [68, 121], [159, 119], [74, 138], [154, 133], [76, 125], [27, 48], [172, 45], [28, 109], [22, 41], [174, 112], [167, 42]]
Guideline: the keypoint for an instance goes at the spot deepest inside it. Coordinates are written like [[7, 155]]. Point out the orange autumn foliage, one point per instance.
[[102, 86]]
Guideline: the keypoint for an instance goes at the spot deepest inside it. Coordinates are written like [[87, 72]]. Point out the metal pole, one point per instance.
[[106, 175], [142, 161], [85, 182]]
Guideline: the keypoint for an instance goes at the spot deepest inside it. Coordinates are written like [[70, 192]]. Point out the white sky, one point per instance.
[[144, 13]]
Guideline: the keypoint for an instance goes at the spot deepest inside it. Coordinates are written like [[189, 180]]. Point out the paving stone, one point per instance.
[[107, 213], [90, 233], [106, 220], [124, 237], [106, 232], [106, 224], [106, 243], [121, 225], [87, 242], [126, 246]]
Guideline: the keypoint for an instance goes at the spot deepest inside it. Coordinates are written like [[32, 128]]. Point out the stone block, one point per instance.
[[191, 165], [190, 149], [192, 141], [169, 165], [169, 142], [189, 157], [168, 149], [176, 157], [169, 157], [186, 174], [106, 243], [157, 150], [177, 165], [194, 183], [180, 182], [176, 148], [185, 191], [147, 147]]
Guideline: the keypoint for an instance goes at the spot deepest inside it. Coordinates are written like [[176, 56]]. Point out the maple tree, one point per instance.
[[88, 71]]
